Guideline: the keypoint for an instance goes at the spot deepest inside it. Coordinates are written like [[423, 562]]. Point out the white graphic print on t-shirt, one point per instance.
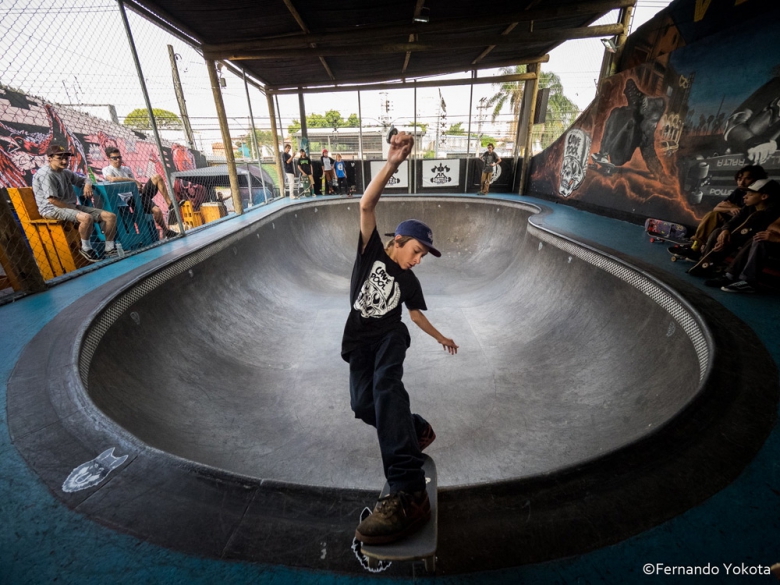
[[379, 294]]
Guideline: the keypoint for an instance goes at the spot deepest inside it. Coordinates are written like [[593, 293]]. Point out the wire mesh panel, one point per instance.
[[68, 78]]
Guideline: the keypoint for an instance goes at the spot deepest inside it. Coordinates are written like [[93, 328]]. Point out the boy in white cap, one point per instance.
[[375, 343]]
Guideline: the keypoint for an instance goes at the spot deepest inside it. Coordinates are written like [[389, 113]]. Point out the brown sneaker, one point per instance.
[[426, 437], [395, 516]]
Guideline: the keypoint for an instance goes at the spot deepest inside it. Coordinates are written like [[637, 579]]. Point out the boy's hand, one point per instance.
[[723, 239], [768, 236], [449, 345], [400, 147]]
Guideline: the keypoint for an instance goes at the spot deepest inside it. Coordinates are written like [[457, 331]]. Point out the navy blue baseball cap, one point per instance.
[[419, 231]]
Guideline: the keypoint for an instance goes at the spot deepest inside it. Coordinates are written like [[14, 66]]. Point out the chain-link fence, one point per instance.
[[68, 76]]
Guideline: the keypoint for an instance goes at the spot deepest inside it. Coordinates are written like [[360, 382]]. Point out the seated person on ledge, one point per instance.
[[722, 212], [56, 199], [762, 208], [116, 173], [743, 273]]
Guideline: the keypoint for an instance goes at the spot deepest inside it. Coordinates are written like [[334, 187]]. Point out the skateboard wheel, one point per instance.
[[372, 563], [430, 565], [674, 258], [390, 133], [652, 240]]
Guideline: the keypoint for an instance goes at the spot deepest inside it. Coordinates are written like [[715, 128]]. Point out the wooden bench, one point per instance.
[[55, 244]]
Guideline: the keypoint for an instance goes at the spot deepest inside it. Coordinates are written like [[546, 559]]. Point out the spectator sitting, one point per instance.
[[56, 199], [743, 273], [116, 173], [762, 208], [722, 212]]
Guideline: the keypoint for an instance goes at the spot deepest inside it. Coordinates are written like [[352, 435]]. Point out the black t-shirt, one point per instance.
[[737, 197], [287, 158], [378, 289], [305, 165]]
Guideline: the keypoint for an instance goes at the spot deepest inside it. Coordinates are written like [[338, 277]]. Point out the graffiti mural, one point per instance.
[[667, 134], [28, 125]]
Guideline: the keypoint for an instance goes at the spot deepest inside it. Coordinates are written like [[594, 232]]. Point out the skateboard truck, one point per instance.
[[390, 133]]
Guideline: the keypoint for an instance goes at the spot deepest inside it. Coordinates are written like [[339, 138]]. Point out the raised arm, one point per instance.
[[400, 146]]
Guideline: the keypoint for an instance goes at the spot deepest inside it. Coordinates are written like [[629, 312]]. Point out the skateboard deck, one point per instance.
[[665, 231], [420, 545]]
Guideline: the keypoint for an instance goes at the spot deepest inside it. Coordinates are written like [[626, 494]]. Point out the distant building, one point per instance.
[[346, 141]]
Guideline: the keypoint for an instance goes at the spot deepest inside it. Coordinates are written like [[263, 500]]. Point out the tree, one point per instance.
[[331, 119], [508, 92], [456, 129], [139, 119], [560, 114], [561, 111]]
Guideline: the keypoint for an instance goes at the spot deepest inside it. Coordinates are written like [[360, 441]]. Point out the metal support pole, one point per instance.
[[277, 153], [279, 118], [180, 98], [468, 138], [414, 158], [304, 128], [530, 130], [152, 121], [254, 137], [238, 206], [281, 132], [360, 145], [412, 163]]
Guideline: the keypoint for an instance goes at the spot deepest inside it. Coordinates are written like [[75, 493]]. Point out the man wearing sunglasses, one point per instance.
[[116, 172], [53, 188]]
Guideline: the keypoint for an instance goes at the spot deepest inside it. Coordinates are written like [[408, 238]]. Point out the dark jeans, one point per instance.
[[751, 259], [378, 398]]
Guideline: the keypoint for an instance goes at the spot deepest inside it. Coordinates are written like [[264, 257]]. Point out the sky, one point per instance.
[[75, 52]]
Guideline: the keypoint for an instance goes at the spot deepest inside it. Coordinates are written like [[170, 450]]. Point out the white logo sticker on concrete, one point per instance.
[[92, 472]]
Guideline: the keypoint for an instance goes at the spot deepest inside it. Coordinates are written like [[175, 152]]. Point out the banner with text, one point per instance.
[[399, 180], [441, 173]]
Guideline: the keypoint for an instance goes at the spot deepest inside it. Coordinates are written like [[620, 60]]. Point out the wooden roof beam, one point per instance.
[[410, 84], [296, 15], [371, 83], [516, 40], [373, 33], [412, 37]]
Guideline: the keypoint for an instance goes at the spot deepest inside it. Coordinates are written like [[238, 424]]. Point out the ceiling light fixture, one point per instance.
[[609, 45], [424, 15]]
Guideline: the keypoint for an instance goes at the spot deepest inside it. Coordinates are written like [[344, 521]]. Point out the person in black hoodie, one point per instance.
[[762, 208]]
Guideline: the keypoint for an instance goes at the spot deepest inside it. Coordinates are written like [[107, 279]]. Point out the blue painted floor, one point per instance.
[[41, 541]]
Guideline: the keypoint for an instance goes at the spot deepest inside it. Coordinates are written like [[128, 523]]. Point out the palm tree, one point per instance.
[[511, 92], [561, 111]]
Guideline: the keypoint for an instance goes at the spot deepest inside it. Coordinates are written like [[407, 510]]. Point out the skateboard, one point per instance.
[[666, 231], [602, 165], [421, 544]]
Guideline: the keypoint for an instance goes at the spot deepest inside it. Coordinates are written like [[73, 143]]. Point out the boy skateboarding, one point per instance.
[[375, 343]]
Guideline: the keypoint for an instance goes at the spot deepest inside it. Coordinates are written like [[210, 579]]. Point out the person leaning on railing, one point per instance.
[[56, 199]]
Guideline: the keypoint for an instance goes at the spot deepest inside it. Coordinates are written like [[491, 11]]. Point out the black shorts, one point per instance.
[[147, 193]]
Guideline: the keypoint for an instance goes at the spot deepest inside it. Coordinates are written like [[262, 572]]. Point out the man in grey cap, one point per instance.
[[53, 188]]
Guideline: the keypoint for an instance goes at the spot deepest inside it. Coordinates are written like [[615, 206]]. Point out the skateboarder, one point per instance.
[[375, 343]]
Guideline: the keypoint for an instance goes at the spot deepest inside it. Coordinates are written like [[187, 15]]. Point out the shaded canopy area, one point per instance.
[[304, 43]]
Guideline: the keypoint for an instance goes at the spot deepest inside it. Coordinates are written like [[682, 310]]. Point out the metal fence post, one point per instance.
[[152, 121]]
